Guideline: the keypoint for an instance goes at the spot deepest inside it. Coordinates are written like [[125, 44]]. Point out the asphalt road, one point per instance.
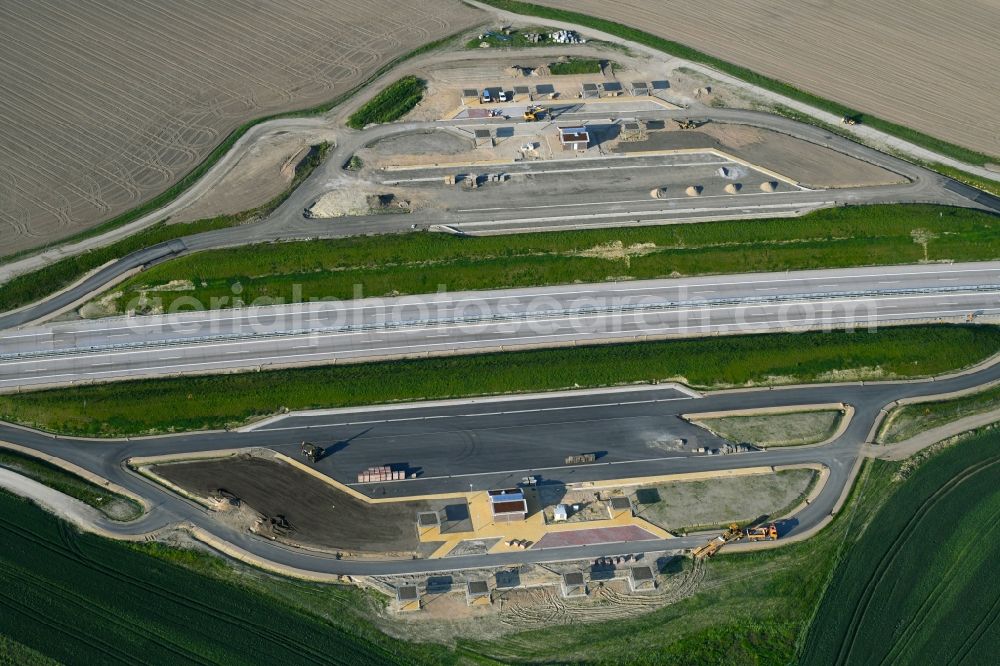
[[483, 443], [287, 222], [309, 333]]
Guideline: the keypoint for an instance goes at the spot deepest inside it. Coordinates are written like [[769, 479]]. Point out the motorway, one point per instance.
[[466, 322], [484, 443]]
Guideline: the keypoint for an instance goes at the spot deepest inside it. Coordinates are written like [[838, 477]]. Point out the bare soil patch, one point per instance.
[[261, 174], [106, 104], [680, 505], [933, 66], [793, 429], [319, 514], [808, 163]]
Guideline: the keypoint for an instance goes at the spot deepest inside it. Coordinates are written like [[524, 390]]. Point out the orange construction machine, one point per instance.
[[763, 533]]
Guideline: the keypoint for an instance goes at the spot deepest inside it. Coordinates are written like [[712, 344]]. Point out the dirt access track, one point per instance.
[[929, 65], [106, 104]]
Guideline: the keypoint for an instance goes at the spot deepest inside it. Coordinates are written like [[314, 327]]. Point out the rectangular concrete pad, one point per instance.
[[594, 536]]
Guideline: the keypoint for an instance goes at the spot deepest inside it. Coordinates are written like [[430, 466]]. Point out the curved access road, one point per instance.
[[490, 442], [287, 222]]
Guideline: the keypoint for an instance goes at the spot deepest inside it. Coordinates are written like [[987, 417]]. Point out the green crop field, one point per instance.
[[391, 104], [33, 286], [216, 401], [421, 262], [921, 585], [81, 599]]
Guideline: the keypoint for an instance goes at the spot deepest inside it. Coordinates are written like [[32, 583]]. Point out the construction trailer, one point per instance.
[[581, 459], [573, 584], [574, 138], [619, 505], [641, 579], [477, 593], [611, 89], [712, 547], [507, 504], [407, 598]]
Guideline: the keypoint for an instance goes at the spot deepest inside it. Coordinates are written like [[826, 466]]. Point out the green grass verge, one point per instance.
[[420, 262], [920, 586], [576, 66], [779, 429], [77, 598], [30, 287], [911, 420], [393, 103], [191, 177], [113, 505], [748, 75], [216, 401]]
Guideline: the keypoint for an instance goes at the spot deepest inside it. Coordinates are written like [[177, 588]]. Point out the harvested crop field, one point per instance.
[[106, 104], [319, 514], [929, 65]]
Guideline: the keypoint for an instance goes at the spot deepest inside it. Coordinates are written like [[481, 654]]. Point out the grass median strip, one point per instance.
[[217, 401], [113, 505], [422, 262], [390, 104], [910, 420]]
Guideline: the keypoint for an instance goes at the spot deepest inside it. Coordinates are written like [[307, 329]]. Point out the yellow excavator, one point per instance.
[[533, 113], [713, 546]]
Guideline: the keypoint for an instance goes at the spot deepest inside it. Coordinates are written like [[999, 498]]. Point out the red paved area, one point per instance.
[[594, 536]]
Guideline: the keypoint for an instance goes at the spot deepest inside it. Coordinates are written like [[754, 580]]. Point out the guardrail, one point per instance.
[[614, 309]]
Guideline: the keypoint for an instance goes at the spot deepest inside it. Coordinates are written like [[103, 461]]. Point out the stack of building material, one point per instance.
[[380, 473]]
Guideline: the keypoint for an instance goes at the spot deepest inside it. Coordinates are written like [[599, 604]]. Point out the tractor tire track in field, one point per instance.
[[66, 597], [892, 552], [69, 546], [108, 104], [944, 582]]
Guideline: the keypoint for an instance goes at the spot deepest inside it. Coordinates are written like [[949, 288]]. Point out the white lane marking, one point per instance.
[[333, 354], [522, 471], [356, 307], [405, 419], [829, 303]]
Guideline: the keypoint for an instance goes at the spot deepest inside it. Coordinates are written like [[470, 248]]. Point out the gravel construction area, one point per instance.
[[808, 163], [320, 515], [261, 174], [106, 104], [933, 66], [768, 430], [680, 505]]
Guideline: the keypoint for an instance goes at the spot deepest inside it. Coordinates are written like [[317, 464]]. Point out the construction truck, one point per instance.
[[713, 546], [312, 452], [688, 123], [533, 113], [762, 533]]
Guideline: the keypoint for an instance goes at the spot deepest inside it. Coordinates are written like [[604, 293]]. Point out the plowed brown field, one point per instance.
[[105, 103], [930, 65]]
